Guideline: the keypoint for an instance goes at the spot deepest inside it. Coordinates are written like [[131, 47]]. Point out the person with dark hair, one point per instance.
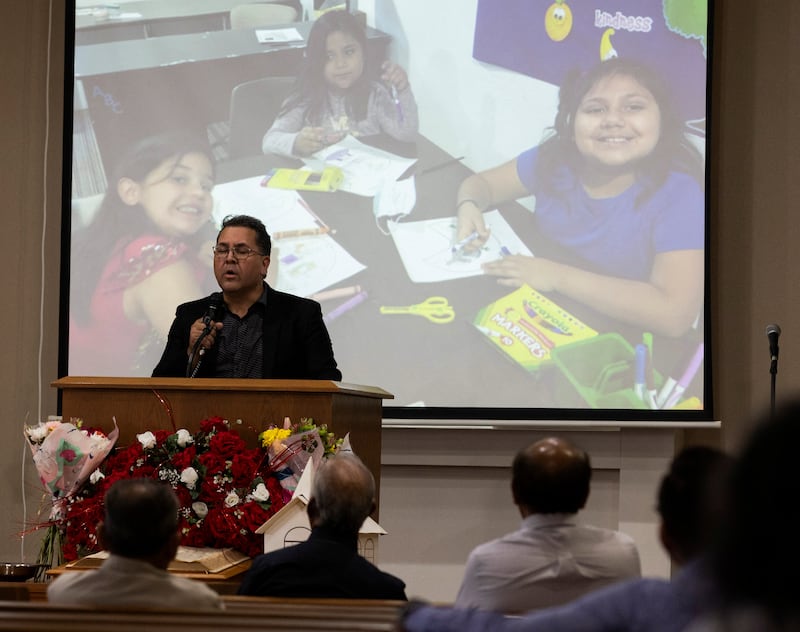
[[551, 558], [338, 93], [139, 257], [691, 517], [140, 532], [619, 187], [756, 556], [328, 563], [254, 331]]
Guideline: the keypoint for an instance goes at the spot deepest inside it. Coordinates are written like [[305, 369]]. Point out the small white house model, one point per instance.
[[290, 525]]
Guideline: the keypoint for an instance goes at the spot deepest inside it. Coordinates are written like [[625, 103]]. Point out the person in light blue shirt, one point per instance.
[[688, 503], [552, 558]]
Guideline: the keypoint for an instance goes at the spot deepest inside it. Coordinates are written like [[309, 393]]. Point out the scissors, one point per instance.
[[436, 309]]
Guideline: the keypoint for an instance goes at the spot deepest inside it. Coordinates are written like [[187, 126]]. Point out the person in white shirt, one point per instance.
[[551, 559], [140, 531]]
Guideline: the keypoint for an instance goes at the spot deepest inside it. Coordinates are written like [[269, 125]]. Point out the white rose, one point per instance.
[[184, 437], [260, 493], [96, 476], [147, 439], [189, 477], [231, 500], [201, 509]]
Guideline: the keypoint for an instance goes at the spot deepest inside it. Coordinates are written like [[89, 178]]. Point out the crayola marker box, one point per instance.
[[526, 327]]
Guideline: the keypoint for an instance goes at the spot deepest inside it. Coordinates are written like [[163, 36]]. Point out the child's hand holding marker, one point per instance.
[[395, 76]]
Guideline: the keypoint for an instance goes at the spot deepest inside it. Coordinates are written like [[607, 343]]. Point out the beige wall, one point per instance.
[[754, 187], [30, 179]]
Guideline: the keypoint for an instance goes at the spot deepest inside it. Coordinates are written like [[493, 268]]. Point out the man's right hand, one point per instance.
[[198, 327]]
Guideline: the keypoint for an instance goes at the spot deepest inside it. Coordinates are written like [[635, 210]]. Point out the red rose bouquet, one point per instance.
[[226, 490]]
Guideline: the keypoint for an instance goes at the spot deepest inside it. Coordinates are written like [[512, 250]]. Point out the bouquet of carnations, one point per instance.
[[66, 455]]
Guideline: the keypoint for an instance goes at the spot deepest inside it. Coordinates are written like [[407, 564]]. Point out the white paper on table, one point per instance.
[[279, 209], [305, 264], [425, 247], [365, 169], [278, 36]]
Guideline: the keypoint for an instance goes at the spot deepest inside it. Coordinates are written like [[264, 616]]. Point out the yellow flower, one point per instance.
[[273, 434]]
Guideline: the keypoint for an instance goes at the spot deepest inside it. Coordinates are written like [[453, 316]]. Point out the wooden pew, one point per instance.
[[242, 613]]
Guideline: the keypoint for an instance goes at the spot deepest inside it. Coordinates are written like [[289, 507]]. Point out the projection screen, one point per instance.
[[583, 294]]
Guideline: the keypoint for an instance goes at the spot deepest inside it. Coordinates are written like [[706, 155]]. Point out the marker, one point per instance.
[[672, 379], [341, 292], [641, 359], [302, 232], [441, 165], [647, 339], [397, 105], [345, 307], [460, 244], [687, 377], [491, 333], [650, 379], [316, 218]]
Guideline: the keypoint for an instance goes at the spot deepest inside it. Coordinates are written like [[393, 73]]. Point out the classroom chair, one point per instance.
[[254, 106]]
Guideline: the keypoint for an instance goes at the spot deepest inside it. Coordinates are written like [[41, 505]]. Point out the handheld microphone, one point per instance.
[[213, 314], [214, 310], [773, 331]]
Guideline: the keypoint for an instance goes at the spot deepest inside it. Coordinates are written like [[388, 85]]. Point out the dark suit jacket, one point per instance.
[[326, 565], [296, 344]]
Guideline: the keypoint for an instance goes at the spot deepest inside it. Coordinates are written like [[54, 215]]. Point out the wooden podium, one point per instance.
[[140, 404]]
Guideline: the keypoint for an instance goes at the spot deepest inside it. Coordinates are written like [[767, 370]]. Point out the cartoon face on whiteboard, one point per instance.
[[558, 20]]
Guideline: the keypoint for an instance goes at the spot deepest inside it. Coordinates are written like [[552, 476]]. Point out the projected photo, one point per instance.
[[501, 208]]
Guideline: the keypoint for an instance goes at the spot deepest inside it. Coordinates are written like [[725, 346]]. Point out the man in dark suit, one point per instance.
[[249, 330], [328, 563]]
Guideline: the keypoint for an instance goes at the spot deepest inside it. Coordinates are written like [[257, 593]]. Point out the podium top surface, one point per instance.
[[219, 384]]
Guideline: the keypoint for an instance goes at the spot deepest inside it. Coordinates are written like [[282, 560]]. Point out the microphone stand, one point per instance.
[[773, 371]]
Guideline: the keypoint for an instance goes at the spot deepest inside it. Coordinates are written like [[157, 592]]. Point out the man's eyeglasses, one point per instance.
[[239, 252]]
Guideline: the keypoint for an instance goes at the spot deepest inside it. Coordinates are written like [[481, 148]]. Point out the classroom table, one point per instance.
[[136, 88], [437, 363], [110, 22]]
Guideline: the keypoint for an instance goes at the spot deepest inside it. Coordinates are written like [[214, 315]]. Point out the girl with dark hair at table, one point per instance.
[[618, 186], [336, 94], [141, 256]]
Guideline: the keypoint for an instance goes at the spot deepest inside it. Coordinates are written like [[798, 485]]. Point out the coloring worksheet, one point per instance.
[[429, 254], [366, 169]]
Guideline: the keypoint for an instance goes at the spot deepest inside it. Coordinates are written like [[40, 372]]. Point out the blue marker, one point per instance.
[[460, 244]]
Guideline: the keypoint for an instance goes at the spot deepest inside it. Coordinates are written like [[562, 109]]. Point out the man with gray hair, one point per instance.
[[140, 531], [328, 563]]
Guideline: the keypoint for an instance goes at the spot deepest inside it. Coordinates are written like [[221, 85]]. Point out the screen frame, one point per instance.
[[448, 414]]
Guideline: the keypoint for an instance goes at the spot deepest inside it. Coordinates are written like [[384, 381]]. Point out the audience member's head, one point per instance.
[[689, 501], [550, 476], [758, 555], [141, 521], [343, 495]]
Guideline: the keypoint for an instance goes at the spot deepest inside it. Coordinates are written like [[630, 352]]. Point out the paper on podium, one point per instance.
[[426, 247]]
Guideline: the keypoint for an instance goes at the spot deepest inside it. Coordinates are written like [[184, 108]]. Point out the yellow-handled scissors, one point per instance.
[[436, 309]]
